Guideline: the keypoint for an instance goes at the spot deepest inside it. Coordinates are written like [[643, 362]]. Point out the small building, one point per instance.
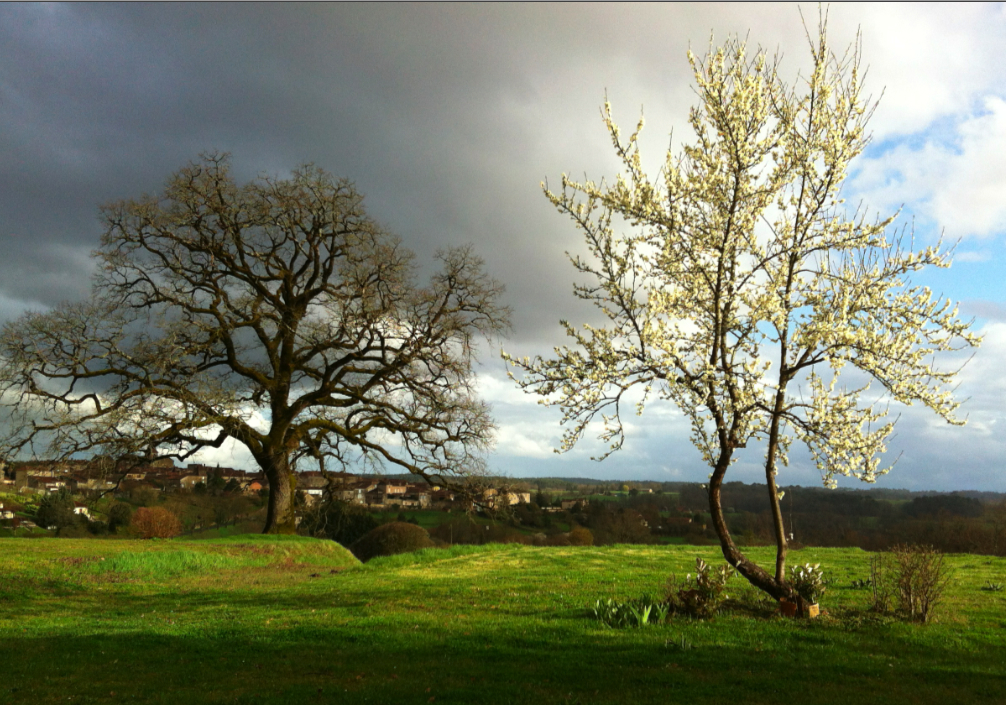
[[312, 496], [96, 483], [493, 499], [190, 481], [352, 495]]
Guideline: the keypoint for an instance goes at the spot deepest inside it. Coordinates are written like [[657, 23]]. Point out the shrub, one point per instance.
[[390, 539], [120, 514], [76, 530], [923, 577], [917, 576], [701, 595], [56, 510], [337, 520], [560, 538], [97, 528], [156, 523], [581, 536]]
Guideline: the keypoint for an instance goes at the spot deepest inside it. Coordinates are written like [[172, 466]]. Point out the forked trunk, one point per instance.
[[280, 517], [754, 573]]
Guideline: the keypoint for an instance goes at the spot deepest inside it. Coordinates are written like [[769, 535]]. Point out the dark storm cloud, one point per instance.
[[446, 117]]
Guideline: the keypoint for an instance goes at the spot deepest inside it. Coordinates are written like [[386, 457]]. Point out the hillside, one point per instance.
[[259, 620]]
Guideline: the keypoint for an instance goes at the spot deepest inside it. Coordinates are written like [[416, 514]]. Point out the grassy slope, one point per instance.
[[242, 620]]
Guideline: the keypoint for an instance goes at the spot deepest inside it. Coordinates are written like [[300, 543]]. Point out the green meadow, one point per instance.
[[251, 619]]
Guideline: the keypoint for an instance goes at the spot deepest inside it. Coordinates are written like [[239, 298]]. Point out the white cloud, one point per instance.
[[499, 389], [525, 440], [973, 256], [955, 177], [230, 454], [930, 61]]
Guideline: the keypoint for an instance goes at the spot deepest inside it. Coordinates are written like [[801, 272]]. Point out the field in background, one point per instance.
[[251, 619]]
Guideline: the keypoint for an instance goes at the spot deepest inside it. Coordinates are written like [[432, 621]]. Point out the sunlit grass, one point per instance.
[[257, 619]]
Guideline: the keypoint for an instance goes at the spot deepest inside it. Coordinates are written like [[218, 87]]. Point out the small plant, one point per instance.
[[990, 586], [681, 643], [701, 595], [862, 583], [808, 581], [881, 582], [632, 613]]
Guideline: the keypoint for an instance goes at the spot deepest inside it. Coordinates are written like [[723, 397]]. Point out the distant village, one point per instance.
[[92, 477]]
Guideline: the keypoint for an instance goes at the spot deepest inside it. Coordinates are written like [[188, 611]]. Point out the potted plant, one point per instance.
[[808, 583]]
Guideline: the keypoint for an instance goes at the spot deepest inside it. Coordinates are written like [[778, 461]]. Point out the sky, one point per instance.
[[449, 117]]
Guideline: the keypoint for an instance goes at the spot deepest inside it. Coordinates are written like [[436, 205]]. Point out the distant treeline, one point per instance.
[[874, 519], [648, 512]]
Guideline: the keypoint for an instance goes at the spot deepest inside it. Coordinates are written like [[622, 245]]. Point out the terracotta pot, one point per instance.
[[790, 609]]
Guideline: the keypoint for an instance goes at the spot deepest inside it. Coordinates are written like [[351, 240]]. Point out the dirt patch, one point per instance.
[[76, 561]]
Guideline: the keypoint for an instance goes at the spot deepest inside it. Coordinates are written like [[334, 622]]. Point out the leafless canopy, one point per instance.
[[278, 314]]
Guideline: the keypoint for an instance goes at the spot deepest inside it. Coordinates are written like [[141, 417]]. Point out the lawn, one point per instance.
[[248, 619]]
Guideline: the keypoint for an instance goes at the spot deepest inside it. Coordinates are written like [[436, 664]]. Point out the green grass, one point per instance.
[[250, 619], [426, 518]]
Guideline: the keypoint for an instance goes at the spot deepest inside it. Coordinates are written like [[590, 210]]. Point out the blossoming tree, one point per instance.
[[737, 287]]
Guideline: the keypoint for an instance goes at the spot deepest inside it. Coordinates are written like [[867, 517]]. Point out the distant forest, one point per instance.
[[872, 519]]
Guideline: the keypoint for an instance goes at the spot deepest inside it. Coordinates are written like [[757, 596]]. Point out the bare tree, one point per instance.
[[741, 289], [277, 314]]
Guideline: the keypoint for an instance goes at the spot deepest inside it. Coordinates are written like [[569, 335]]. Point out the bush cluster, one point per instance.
[[340, 521]]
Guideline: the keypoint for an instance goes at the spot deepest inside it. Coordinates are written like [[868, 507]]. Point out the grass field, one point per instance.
[[248, 619]]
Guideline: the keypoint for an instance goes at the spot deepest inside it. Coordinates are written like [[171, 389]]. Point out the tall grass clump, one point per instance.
[[166, 564]]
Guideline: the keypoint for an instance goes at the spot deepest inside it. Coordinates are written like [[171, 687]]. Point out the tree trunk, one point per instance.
[[280, 517], [773, 490], [754, 573]]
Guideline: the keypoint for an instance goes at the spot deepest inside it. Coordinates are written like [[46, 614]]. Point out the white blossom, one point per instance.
[[742, 281]]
